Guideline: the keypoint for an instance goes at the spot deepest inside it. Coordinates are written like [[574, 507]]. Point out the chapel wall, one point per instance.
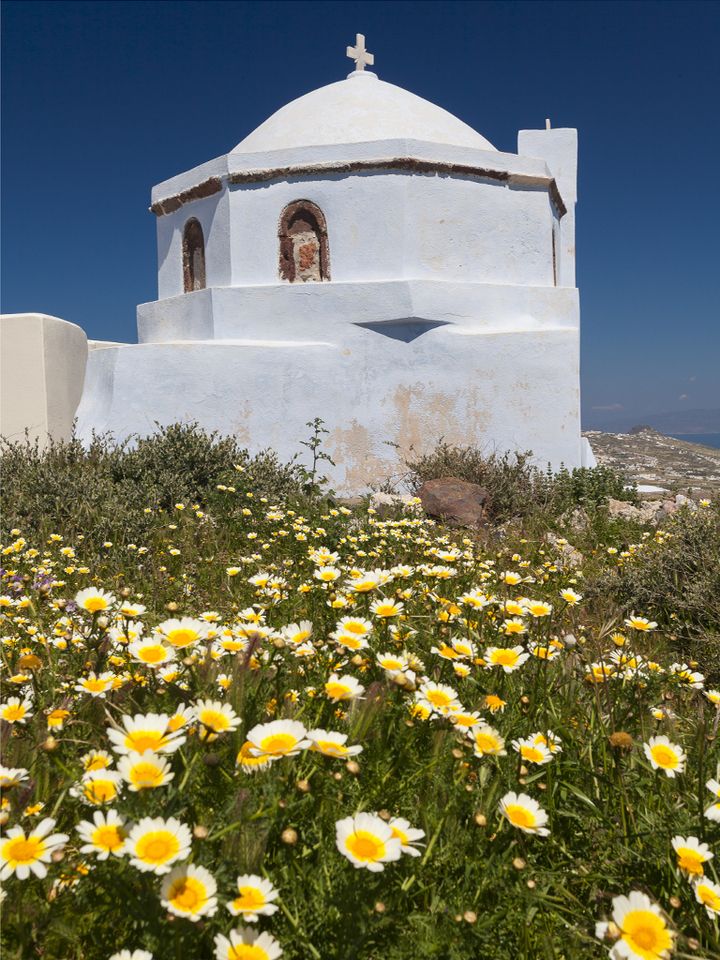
[[391, 226], [364, 217], [213, 214]]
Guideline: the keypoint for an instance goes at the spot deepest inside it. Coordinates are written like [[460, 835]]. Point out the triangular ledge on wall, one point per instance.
[[404, 328]]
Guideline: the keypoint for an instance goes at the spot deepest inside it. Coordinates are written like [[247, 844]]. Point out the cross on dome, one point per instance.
[[359, 54]]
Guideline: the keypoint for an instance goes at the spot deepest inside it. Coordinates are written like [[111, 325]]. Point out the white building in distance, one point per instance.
[[365, 257]]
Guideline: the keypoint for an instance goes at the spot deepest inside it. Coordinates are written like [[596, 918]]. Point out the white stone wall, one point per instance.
[[42, 372], [495, 389], [381, 226], [213, 214]]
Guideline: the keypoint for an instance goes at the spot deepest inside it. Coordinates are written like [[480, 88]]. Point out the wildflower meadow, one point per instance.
[[263, 725]]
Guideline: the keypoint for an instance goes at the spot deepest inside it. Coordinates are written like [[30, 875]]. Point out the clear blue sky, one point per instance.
[[104, 99]]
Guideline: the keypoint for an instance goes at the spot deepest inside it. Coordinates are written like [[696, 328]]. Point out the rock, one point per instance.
[[455, 501], [644, 513], [570, 555], [578, 519], [682, 501]]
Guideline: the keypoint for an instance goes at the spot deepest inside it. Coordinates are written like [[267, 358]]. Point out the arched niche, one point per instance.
[[193, 257], [304, 254]]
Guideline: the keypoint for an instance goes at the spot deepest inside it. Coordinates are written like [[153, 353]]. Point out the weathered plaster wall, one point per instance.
[[495, 389], [559, 149], [42, 372], [328, 311], [399, 361], [213, 215], [381, 226]]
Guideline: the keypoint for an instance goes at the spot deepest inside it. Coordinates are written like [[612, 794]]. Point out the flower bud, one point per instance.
[[289, 836], [200, 832]]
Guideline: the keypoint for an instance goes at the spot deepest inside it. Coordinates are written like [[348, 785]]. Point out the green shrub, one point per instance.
[[676, 576], [101, 490], [517, 487]]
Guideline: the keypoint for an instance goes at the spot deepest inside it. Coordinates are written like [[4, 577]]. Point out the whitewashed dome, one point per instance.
[[360, 109]]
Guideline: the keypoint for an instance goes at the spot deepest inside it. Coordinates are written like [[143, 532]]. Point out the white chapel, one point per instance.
[[365, 257]]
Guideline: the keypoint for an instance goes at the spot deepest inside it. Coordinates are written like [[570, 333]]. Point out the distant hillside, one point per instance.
[[674, 421], [649, 457]]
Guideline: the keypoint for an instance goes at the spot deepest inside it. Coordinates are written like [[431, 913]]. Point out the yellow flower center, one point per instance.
[[386, 609], [690, 860], [146, 775], [520, 816], [23, 851], [448, 652], [329, 746], [183, 636], [247, 951], [354, 627], [214, 719], [93, 604], [351, 642], [187, 893], [485, 742], [336, 691], [100, 791], [533, 754], [141, 740], [364, 846], [506, 658], [155, 654], [107, 838], [14, 713], [96, 763], [94, 685], [647, 934], [278, 743], [664, 756], [438, 698], [708, 897], [159, 846], [250, 899]]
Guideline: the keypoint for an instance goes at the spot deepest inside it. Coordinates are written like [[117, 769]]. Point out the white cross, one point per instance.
[[359, 54]]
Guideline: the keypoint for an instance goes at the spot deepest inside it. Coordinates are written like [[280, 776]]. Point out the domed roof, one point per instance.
[[360, 109]]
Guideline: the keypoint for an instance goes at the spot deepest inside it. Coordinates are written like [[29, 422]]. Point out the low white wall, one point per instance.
[[502, 390], [42, 372]]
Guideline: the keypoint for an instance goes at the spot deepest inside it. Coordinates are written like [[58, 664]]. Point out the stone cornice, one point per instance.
[[212, 185]]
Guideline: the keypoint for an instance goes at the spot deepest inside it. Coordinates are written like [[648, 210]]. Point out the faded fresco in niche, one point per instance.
[[303, 243]]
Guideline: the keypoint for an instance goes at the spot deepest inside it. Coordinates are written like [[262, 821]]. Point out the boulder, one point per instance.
[[570, 556], [454, 501], [643, 513]]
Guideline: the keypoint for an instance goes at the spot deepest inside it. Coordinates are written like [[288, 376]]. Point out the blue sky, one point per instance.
[[101, 100]]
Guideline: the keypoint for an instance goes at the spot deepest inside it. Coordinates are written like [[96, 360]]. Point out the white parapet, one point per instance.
[[42, 373]]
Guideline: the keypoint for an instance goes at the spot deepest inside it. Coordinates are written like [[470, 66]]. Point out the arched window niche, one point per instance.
[[304, 256], [193, 257]]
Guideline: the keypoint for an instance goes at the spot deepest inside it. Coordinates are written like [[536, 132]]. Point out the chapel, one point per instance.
[[368, 258]]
